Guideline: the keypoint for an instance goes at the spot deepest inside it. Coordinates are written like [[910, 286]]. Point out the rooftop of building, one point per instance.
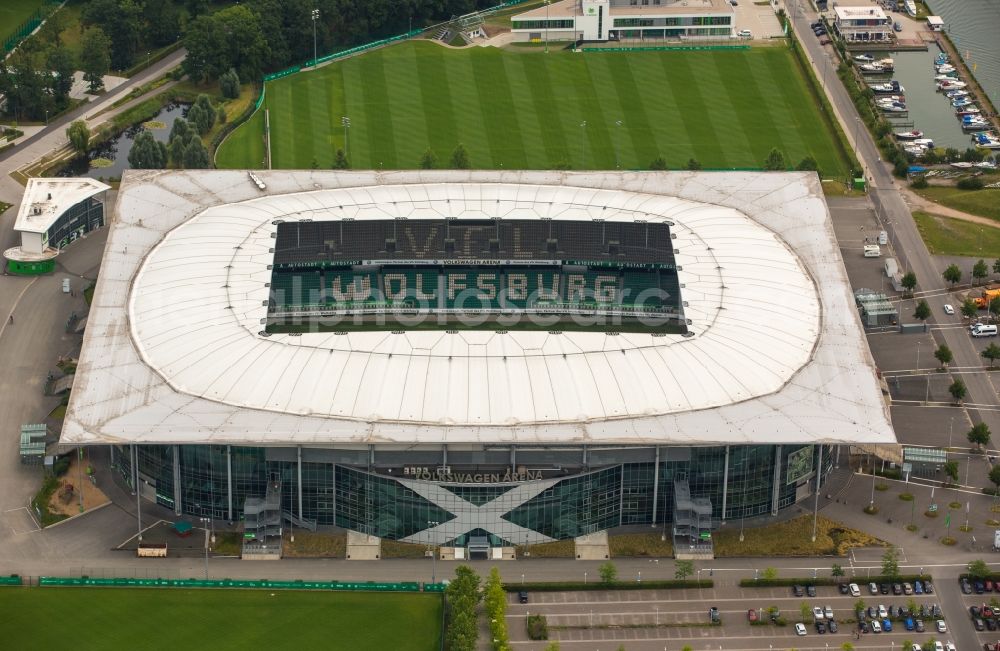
[[175, 351], [865, 11], [45, 199], [571, 8]]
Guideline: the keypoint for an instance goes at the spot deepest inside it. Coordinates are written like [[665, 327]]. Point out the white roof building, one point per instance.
[[175, 350]]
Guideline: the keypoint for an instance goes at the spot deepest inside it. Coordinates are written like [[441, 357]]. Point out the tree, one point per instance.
[[775, 161], [958, 390], [994, 307], [979, 271], [992, 353], [340, 161], [229, 84], [220, 115], [147, 153], [807, 164], [836, 570], [923, 311], [890, 563], [460, 158], [429, 160], [769, 573], [996, 266], [122, 21], [969, 308], [553, 646], [693, 165], [608, 572], [978, 569], [683, 569], [25, 86], [995, 478], [847, 646], [229, 38], [79, 135], [62, 65], [953, 274], [805, 611], [658, 163], [979, 434], [951, 469], [195, 155], [909, 282], [202, 114], [943, 354], [94, 58]]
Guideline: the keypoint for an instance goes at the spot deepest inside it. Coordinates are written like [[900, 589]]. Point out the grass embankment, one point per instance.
[[947, 236], [314, 545], [640, 544], [792, 538], [125, 618], [555, 549], [518, 110], [985, 203]]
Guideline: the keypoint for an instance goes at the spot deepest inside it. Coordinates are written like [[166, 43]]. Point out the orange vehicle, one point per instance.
[[982, 302]]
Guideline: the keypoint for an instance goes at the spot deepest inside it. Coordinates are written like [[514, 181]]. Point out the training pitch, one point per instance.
[[523, 109], [126, 618]]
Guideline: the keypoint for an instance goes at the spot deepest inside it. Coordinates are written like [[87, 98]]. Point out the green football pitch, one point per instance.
[[13, 13], [125, 618], [524, 109]]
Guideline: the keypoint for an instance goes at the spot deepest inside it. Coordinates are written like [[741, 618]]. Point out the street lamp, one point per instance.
[[315, 17], [434, 523], [951, 427], [546, 26], [583, 144], [207, 521], [346, 122], [585, 577], [618, 123]]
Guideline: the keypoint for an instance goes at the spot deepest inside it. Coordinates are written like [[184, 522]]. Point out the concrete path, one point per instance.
[[916, 202]]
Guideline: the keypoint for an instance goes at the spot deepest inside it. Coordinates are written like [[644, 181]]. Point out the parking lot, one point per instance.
[[656, 619], [986, 635]]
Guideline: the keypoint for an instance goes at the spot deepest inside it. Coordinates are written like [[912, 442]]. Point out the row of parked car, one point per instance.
[[917, 587], [985, 617], [878, 619], [979, 586]]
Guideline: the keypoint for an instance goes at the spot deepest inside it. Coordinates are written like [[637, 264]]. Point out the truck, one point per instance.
[[983, 300], [873, 251], [996, 540], [891, 268]]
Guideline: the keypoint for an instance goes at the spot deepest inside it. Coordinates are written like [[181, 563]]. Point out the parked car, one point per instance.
[[800, 629], [820, 628], [919, 625], [938, 646], [897, 589], [811, 590], [988, 585], [876, 627], [873, 588], [918, 587], [986, 611], [863, 626], [966, 586], [522, 597], [978, 587], [883, 588], [991, 624], [907, 589], [908, 623], [828, 611], [854, 590], [978, 623], [818, 23], [887, 625], [928, 587], [975, 611], [752, 615], [941, 626], [883, 612], [817, 613], [798, 590], [843, 588], [949, 646], [745, 33], [948, 309], [935, 610], [832, 626], [872, 613]]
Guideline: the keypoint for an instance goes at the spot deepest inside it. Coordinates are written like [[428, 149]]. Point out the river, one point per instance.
[[930, 111], [974, 28]]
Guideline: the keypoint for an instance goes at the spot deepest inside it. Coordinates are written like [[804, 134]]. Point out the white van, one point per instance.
[[984, 330], [873, 251], [883, 238]]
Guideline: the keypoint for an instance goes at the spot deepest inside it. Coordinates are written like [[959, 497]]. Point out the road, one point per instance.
[[890, 208]]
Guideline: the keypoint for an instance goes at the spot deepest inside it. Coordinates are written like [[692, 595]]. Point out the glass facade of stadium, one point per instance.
[[512, 495]]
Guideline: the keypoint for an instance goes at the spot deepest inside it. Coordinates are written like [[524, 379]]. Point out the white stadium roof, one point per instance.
[[173, 351], [46, 199]]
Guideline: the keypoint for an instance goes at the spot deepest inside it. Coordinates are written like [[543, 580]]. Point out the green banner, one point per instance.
[[369, 586]]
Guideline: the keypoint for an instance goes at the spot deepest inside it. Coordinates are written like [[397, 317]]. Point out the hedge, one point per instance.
[[770, 583]]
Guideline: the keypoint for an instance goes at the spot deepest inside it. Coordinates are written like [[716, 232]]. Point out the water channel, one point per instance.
[[116, 149], [974, 28]]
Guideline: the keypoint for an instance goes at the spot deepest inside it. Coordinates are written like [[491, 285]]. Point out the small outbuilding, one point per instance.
[[935, 23]]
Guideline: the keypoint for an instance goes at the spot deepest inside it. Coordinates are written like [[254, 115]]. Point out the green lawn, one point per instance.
[[13, 13], [244, 147], [985, 203], [171, 619], [523, 109], [946, 236]]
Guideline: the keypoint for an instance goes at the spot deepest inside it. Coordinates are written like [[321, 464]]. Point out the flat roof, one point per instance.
[[45, 199], [868, 12], [175, 352], [570, 8]]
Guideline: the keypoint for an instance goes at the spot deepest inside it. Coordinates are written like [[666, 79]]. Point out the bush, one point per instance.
[[565, 586], [61, 466], [906, 497], [970, 183], [919, 183], [538, 628]]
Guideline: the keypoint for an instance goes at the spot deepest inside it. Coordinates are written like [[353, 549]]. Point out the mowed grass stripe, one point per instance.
[[470, 127], [403, 86], [546, 110], [499, 111], [742, 95], [524, 109], [378, 131], [704, 138], [435, 99]]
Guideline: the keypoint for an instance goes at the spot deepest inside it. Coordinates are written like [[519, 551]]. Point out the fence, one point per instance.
[[27, 27], [368, 586]]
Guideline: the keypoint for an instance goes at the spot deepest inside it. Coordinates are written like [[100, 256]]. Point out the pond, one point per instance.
[[116, 149]]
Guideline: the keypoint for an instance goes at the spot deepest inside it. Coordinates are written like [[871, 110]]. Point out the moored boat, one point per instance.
[[961, 101], [890, 87], [872, 69], [909, 135], [951, 85], [972, 109], [864, 58], [955, 94], [924, 142]]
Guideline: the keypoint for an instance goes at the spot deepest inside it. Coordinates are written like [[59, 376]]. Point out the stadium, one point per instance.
[[474, 359]]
